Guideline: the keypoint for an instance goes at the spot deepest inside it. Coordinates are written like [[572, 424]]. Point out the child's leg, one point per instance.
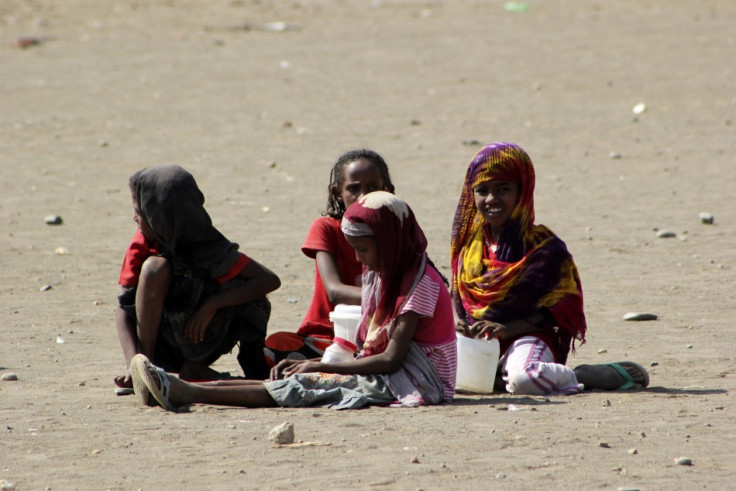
[[153, 287], [180, 393], [529, 368]]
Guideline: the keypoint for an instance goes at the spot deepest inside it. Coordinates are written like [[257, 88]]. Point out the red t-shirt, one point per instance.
[[141, 249], [325, 235]]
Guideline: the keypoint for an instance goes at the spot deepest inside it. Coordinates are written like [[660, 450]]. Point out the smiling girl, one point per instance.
[[516, 281]]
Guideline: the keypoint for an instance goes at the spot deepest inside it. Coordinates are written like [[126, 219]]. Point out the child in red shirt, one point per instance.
[[337, 271], [189, 295]]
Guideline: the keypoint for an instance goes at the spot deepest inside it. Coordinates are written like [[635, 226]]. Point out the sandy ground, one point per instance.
[[259, 113]]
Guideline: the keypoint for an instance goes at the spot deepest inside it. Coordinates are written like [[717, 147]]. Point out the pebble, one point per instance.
[[414, 460], [45, 288], [654, 364], [9, 377], [123, 391], [639, 108], [614, 155], [706, 217], [61, 251], [53, 220], [500, 475], [689, 346], [604, 445], [666, 234], [283, 433], [639, 316], [602, 351], [683, 461], [633, 451], [6, 485]]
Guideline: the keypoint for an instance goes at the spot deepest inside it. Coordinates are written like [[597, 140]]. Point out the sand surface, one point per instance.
[[258, 112]]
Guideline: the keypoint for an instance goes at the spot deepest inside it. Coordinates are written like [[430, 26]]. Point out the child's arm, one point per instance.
[[387, 362], [337, 291], [261, 281], [128, 342]]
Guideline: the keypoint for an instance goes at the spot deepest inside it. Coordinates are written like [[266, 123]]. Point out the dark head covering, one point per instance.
[[173, 207]]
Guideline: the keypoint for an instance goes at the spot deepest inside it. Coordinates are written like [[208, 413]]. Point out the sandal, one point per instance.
[[150, 379]]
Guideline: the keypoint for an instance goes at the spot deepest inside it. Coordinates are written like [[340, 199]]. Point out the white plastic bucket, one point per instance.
[[477, 360], [345, 320]]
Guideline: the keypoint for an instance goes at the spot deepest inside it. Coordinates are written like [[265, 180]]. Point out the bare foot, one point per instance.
[[607, 377]]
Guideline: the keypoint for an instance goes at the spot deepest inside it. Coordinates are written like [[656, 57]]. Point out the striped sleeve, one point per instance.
[[423, 299]]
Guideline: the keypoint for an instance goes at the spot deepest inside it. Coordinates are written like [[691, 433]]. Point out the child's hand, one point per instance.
[[198, 322], [286, 368], [462, 327], [488, 330]]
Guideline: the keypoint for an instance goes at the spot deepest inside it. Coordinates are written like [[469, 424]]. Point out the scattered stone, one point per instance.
[[60, 340], [633, 451], [607, 403], [689, 346], [53, 220], [604, 445], [639, 108], [639, 316], [654, 364], [283, 433], [292, 300], [471, 143], [602, 351], [614, 155], [501, 475], [96, 451], [10, 377], [683, 461], [414, 460], [45, 288], [61, 251], [123, 391], [666, 234], [706, 217], [6, 485]]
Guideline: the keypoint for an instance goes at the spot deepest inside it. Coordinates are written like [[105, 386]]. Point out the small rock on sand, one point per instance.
[[666, 234], [9, 377], [283, 433], [683, 461], [639, 316], [706, 217], [53, 220]]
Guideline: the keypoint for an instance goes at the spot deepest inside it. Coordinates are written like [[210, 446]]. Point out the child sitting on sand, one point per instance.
[[516, 281], [188, 295], [406, 333], [337, 271]]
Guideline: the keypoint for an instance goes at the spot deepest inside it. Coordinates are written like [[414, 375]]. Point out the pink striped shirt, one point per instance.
[[435, 332]]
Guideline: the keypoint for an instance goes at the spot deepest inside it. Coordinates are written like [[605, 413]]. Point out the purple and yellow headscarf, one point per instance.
[[531, 268]]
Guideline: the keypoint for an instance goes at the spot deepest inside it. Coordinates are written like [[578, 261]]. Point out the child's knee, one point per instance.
[[156, 268], [525, 380]]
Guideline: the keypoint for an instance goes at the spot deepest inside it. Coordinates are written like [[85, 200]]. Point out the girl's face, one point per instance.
[[359, 177], [142, 224], [495, 201], [366, 251]]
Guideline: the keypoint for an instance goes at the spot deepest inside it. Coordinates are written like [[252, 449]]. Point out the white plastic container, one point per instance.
[[340, 350], [477, 361], [345, 320]]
